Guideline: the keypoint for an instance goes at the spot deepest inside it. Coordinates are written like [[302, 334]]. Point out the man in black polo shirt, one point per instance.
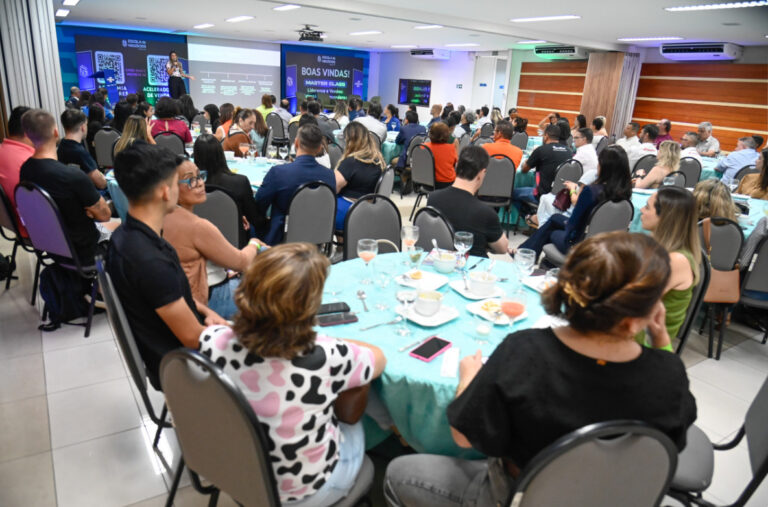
[[71, 149], [545, 159], [78, 200], [145, 269], [464, 211]]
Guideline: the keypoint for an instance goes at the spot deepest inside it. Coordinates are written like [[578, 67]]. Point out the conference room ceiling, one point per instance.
[[479, 25]]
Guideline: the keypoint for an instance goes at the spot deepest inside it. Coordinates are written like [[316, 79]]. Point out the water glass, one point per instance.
[[367, 250], [385, 271], [252, 152], [244, 148], [415, 256], [271, 150], [283, 151], [525, 260], [406, 299], [462, 242]]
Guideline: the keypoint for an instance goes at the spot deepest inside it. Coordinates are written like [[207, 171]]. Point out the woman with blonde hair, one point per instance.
[[358, 171], [340, 113], [136, 127], [713, 199], [496, 116], [292, 376], [668, 161]]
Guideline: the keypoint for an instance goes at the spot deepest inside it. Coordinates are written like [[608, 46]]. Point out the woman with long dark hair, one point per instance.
[[166, 110], [227, 111], [188, 110], [756, 185], [96, 121], [212, 115], [240, 132], [391, 119]]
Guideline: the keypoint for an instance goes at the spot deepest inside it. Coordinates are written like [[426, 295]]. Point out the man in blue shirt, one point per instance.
[[408, 131], [744, 155], [282, 181]]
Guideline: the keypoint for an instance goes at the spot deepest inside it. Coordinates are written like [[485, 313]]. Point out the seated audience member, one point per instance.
[[434, 112], [313, 107], [71, 149], [511, 114], [688, 144], [447, 110], [482, 118], [273, 331], [196, 241], [390, 118], [166, 110], [545, 160], [281, 181], [520, 124], [144, 268], [122, 111], [239, 133], [74, 98], [136, 128], [664, 126], [671, 217], [668, 162], [358, 171], [146, 110], [227, 112], [74, 193], [85, 99], [266, 105], [758, 141], [464, 211], [14, 151], [524, 397], [209, 157], [496, 116], [410, 129], [302, 110], [372, 122], [647, 145], [501, 145], [284, 114], [630, 139], [323, 158], [444, 153], [259, 132], [708, 146], [467, 119], [613, 184], [743, 155], [713, 199], [748, 251], [756, 185], [550, 119], [133, 100], [579, 123], [212, 116], [565, 132], [455, 119], [598, 129], [340, 114], [96, 122]]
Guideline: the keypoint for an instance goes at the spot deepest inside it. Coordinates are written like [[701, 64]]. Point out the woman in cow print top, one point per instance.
[[291, 376]]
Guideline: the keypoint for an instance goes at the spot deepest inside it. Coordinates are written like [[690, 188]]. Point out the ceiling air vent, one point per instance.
[[701, 51], [560, 52]]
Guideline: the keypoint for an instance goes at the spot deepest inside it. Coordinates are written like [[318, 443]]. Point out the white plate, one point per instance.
[[445, 314], [741, 197], [476, 308], [458, 286], [535, 282], [428, 280]]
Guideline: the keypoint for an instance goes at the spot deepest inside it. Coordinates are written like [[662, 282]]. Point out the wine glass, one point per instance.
[[409, 235], [252, 151], [513, 305], [462, 242], [414, 257], [367, 250], [525, 259], [244, 147], [384, 273], [283, 151], [271, 151], [406, 299], [196, 127]]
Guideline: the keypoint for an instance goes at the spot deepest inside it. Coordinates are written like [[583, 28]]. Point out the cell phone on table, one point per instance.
[[333, 308], [335, 319], [430, 349]]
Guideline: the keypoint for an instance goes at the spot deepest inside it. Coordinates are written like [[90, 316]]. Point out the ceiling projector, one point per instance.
[[308, 34]]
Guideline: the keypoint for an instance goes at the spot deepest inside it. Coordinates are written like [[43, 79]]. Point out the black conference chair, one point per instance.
[[9, 230], [645, 163], [372, 216], [312, 215], [432, 224], [499, 182], [172, 141], [692, 170], [422, 173], [697, 299], [386, 183]]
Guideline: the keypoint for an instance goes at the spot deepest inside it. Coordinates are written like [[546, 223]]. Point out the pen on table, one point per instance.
[[402, 349]]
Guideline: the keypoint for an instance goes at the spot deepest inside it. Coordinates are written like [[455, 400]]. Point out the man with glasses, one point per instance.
[[688, 144], [708, 146]]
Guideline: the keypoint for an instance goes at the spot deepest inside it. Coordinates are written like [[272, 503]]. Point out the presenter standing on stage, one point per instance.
[[175, 71]]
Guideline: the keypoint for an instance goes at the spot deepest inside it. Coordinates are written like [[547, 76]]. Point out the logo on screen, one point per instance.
[[319, 58], [125, 43], [83, 71], [289, 81], [358, 83]]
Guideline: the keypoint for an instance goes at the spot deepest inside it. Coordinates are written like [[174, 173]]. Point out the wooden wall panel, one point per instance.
[[554, 101], [559, 83], [551, 67], [736, 92], [601, 85], [706, 70]]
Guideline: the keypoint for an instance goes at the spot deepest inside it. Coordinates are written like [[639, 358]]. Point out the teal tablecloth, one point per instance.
[[413, 391], [253, 171]]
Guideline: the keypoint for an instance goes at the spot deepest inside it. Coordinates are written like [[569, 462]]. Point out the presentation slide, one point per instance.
[[337, 75], [138, 63], [414, 91], [238, 72]]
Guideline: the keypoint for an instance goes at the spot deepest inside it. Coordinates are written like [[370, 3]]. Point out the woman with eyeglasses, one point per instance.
[[197, 241]]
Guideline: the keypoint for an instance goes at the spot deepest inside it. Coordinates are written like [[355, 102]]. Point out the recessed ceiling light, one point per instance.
[[238, 19], [70, 3], [366, 32], [403, 46], [647, 39], [461, 45], [62, 13], [204, 25], [531, 41], [286, 7], [712, 7], [563, 17], [427, 27]]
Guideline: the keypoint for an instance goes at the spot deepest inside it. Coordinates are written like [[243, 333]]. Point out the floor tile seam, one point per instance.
[[84, 385], [26, 456]]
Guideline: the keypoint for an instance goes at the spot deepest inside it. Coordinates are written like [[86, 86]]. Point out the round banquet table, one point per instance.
[[414, 392]]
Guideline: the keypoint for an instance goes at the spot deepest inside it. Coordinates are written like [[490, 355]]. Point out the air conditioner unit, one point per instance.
[[560, 52], [701, 51], [431, 54]]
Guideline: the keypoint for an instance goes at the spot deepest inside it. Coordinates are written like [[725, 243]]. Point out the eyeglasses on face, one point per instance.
[[195, 181]]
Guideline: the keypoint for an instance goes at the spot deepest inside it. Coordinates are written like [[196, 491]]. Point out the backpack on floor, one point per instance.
[[6, 267], [62, 291]]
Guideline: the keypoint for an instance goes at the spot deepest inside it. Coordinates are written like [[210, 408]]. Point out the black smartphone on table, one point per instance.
[[333, 308], [335, 319]]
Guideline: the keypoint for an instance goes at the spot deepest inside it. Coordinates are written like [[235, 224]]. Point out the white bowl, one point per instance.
[[482, 283], [445, 262], [428, 303], [229, 155]]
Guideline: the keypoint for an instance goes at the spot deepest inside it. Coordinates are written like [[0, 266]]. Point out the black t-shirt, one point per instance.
[[361, 178], [147, 275], [546, 158], [72, 152], [72, 191], [466, 213], [534, 389]]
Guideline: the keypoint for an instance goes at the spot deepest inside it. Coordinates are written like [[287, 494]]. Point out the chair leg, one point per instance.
[[711, 330], [94, 291], [175, 485], [416, 205], [723, 314], [160, 425], [36, 280], [13, 263], [704, 319], [214, 500]]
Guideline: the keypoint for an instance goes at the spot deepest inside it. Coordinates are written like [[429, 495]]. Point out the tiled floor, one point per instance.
[[73, 430]]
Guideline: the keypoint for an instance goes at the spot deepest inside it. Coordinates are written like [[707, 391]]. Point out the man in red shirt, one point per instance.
[[14, 151], [501, 143]]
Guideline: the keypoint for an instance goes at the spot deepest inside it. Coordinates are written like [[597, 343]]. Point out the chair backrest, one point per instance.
[[334, 124], [487, 130], [40, 215], [725, 240], [678, 179], [200, 119], [201, 397], [293, 129], [697, 299], [692, 170], [464, 141], [627, 463], [645, 163], [386, 183], [747, 169], [423, 166], [267, 141], [757, 437], [221, 210], [376, 140], [311, 214], [103, 143], [172, 141], [415, 141], [499, 178], [482, 140], [8, 217], [433, 225], [118, 198], [601, 144], [275, 122], [520, 139], [570, 170], [372, 216], [756, 278], [334, 153], [609, 216]]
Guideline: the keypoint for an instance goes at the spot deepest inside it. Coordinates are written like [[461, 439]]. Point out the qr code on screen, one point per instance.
[[156, 73], [113, 61]]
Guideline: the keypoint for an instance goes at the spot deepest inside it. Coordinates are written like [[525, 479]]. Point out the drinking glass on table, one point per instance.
[[406, 299], [367, 250], [415, 255], [271, 150], [196, 127], [244, 148], [525, 260], [252, 152], [462, 242], [283, 151], [668, 181], [513, 305], [385, 271], [409, 235]]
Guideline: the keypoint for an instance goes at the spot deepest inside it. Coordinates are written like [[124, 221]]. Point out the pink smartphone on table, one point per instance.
[[430, 349]]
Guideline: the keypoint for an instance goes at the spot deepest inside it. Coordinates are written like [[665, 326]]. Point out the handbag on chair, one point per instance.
[[724, 286], [563, 199]]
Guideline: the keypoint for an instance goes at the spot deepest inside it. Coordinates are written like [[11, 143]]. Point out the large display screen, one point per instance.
[[414, 91], [339, 74]]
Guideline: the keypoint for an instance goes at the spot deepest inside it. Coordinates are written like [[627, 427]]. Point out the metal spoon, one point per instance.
[[393, 321], [434, 244], [464, 276], [361, 295]]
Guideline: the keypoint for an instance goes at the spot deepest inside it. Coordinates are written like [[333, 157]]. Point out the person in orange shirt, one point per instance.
[[444, 153], [14, 151], [502, 134]]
